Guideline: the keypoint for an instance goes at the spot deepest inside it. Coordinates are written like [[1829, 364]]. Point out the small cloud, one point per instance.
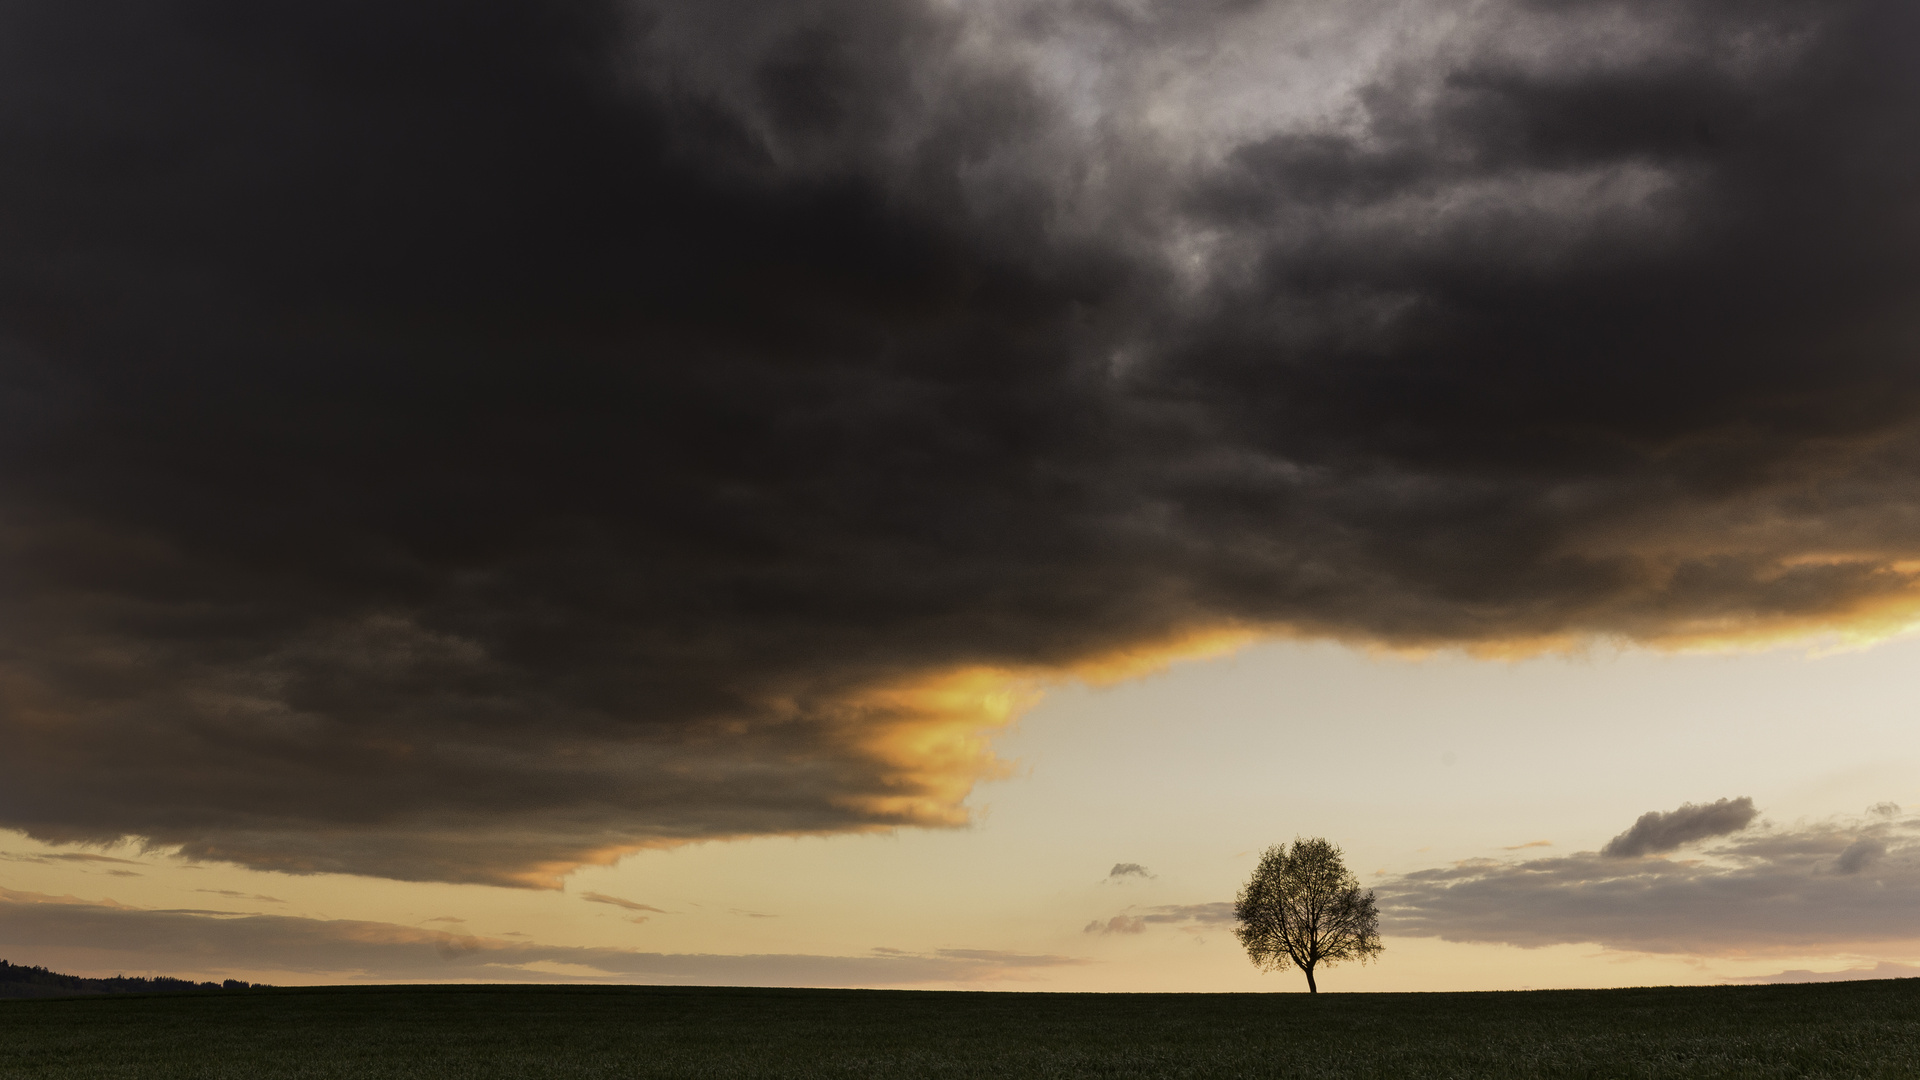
[[1884, 809], [1119, 924], [126, 873], [1528, 844], [602, 898], [1859, 855], [752, 914], [1656, 832], [1124, 870], [446, 918]]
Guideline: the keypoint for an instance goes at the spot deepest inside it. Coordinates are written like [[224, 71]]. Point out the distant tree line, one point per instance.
[[18, 981]]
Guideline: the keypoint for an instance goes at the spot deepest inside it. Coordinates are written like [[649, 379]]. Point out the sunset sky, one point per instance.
[[921, 492]]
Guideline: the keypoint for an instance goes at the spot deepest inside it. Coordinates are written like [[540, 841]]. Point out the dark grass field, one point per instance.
[[1835, 1029]]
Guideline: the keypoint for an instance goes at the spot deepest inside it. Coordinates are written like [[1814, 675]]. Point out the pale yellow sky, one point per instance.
[[1409, 764]]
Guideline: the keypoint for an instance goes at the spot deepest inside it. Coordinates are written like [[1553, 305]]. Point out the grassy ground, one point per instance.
[[1831, 1030]]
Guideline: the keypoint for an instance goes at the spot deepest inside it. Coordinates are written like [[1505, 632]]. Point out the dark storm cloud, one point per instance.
[[1657, 832], [459, 440], [1842, 884], [92, 936]]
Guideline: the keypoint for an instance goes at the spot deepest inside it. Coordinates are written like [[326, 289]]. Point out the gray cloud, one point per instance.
[[1859, 855], [76, 935], [1657, 832], [1124, 870], [1843, 884], [465, 441]]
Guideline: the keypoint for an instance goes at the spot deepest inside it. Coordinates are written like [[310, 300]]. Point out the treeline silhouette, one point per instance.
[[18, 981]]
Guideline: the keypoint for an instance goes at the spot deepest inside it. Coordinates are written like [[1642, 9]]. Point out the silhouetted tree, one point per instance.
[[1303, 908]]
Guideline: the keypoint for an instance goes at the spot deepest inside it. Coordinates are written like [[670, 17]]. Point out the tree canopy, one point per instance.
[[1303, 908]]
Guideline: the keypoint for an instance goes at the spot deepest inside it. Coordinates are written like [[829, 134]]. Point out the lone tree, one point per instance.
[[1303, 908]]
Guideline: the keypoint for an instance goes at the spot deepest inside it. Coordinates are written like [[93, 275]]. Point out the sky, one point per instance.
[[921, 492]]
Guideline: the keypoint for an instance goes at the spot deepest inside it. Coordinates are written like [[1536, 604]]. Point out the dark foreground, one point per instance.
[[1836, 1029]]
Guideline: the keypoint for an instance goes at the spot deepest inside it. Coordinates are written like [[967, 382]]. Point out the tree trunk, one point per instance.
[[1311, 987]]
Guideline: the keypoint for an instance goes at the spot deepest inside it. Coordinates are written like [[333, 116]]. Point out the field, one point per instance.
[[1830, 1030]]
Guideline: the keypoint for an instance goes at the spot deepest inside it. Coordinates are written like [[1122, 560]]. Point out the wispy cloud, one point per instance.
[[629, 905], [1137, 920], [64, 856], [1217, 913], [1125, 870], [234, 895]]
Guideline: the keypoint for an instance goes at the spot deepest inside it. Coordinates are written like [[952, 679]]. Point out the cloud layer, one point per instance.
[[1845, 884], [104, 936], [459, 441]]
